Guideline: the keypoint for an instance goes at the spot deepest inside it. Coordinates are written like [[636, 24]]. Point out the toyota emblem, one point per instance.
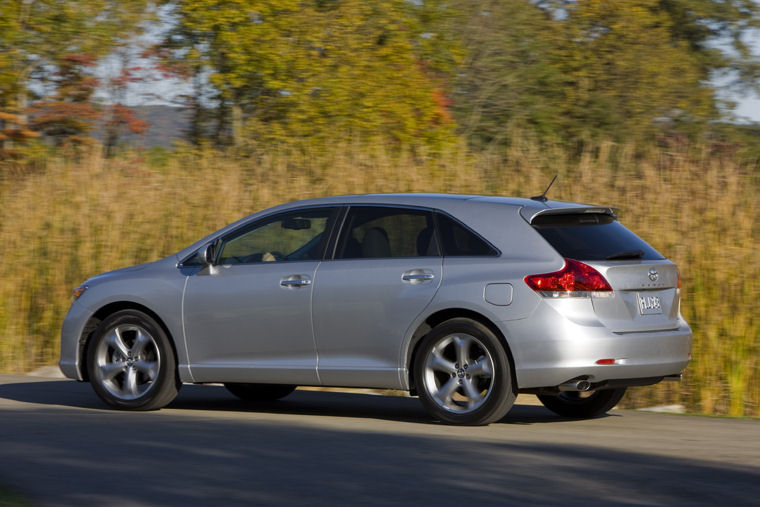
[[653, 275]]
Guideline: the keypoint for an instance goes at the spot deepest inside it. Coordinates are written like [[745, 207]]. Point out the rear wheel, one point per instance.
[[582, 405], [131, 362], [259, 392], [462, 374]]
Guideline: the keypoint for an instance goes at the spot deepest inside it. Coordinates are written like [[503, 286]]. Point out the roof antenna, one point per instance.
[[542, 197]]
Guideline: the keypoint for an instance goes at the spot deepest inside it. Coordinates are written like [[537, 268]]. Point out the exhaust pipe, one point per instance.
[[575, 385], [673, 378]]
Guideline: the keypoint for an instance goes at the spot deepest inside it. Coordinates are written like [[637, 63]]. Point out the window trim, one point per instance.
[[341, 211]]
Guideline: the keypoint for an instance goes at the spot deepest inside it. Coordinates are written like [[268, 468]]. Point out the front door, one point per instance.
[[248, 317]]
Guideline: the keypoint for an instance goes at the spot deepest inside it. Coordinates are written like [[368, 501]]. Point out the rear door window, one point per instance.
[[592, 237], [383, 232]]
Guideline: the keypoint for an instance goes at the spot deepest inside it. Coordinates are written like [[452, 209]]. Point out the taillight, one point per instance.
[[576, 279]]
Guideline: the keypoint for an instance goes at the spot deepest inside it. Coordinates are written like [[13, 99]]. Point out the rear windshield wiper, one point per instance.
[[630, 254]]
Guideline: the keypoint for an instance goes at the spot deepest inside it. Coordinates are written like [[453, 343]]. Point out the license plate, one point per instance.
[[649, 305]]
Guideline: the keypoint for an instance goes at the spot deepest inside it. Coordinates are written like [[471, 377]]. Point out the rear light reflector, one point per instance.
[[576, 279], [620, 360]]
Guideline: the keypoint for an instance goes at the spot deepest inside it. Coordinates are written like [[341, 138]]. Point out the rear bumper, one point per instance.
[[559, 350]]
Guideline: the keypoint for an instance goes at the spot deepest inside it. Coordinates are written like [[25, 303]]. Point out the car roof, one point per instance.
[[529, 208]]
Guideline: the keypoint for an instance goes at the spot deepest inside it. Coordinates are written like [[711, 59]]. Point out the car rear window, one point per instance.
[[592, 237]]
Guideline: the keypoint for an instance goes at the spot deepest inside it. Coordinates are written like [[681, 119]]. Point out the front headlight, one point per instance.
[[78, 292]]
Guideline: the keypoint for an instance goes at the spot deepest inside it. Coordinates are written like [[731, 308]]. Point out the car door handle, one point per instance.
[[295, 281], [417, 276]]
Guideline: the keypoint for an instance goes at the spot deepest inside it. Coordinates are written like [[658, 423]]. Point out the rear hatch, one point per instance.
[[645, 293]]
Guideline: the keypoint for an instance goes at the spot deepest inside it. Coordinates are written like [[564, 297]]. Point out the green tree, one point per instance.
[[509, 77], [588, 69], [630, 71], [288, 68]]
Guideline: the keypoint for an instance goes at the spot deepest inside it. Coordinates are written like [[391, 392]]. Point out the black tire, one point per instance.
[[580, 405], [260, 392], [131, 362], [468, 393]]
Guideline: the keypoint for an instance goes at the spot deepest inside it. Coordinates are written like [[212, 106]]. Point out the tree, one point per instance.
[[288, 68], [116, 117], [509, 77], [68, 114], [588, 69], [630, 72], [38, 39]]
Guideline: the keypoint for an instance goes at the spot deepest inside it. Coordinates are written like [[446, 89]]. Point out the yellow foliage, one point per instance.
[[74, 220], [308, 69]]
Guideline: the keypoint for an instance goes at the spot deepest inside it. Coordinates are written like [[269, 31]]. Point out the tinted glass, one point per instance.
[[458, 240], [375, 232], [293, 236], [592, 237]]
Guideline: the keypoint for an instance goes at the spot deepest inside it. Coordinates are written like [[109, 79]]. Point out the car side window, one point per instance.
[[292, 236], [378, 232], [458, 240]]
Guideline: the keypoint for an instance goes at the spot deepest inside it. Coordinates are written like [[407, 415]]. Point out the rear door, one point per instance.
[[646, 295], [386, 270]]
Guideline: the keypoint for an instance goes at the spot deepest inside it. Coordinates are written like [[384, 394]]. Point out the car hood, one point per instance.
[[124, 272]]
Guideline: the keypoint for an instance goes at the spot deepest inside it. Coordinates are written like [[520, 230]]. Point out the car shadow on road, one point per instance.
[[216, 398], [71, 456]]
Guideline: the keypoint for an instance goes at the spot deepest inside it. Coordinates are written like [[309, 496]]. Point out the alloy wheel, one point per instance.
[[458, 373], [127, 361]]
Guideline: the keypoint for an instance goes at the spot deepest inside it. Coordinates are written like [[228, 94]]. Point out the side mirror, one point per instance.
[[207, 254]]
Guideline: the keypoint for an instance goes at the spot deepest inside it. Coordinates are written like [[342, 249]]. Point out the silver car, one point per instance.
[[462, 300]]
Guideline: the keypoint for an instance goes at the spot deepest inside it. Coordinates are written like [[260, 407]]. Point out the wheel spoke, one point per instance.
[[116, 342], [110, 370], [140, 342], [472, 393], [130, 384], [148, 368], [439, 363], [481, 368], [462, 347], [446, 391]]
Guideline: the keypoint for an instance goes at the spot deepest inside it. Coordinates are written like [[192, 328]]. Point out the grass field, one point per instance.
[[10, 498], [75, 218]]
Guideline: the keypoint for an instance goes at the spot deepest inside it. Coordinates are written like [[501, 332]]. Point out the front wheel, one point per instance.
[[131, 363], [582, 405], [462, 374]]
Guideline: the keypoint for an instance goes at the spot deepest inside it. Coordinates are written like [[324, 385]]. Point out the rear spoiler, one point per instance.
[[530, 214]]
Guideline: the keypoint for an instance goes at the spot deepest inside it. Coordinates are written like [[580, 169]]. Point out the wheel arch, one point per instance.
[[101, 314], [442, 316]]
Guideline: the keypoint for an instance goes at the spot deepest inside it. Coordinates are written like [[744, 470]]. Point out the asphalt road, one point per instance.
[[60, 446]]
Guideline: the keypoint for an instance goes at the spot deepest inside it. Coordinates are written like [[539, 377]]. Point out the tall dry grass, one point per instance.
[[72, 220]]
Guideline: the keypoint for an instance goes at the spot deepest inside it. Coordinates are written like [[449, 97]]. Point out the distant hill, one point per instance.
[[167, 124]]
